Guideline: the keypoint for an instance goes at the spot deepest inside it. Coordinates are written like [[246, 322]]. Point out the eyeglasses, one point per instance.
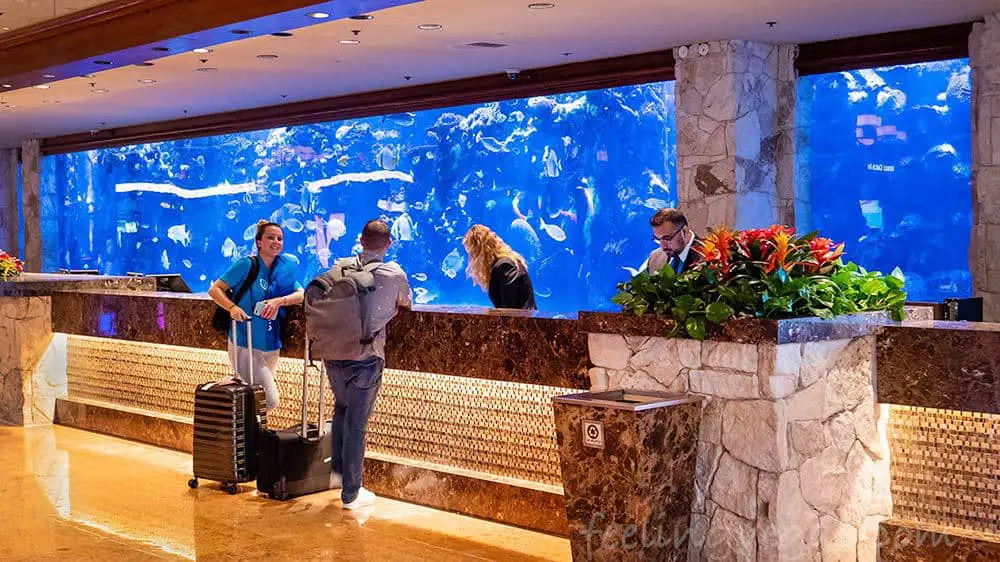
[[662, 239]]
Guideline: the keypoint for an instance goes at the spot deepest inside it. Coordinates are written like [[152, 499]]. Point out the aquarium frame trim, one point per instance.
[[885, 49], [656, 66]]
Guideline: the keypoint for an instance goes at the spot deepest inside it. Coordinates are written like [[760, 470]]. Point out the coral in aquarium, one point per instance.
[[761, 273], [10, 266]]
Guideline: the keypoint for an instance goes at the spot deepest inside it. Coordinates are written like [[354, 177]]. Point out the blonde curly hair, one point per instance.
[[485, 247]]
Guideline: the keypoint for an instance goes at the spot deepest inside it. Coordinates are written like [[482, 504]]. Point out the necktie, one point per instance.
[[675, 264]]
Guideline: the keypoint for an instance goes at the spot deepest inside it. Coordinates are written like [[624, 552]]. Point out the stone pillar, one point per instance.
[[791, 463], [31, 172], [984, 250], [8, 202], [735, 115], [25, 334]]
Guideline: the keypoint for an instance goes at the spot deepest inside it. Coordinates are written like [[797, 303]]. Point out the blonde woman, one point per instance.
[[498, 269]]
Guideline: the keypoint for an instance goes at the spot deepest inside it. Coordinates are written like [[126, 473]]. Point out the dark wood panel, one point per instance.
[[603, 73], [125, 32], [902, 47]]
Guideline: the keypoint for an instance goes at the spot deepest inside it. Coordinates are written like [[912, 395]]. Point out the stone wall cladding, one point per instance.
[[984, 250], [31, 166], [8, 201], [25, 333], [727, 133], [790, 462]]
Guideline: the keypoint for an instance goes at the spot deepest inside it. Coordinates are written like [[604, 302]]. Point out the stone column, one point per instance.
[[735, 115], [8, 201], [984, 250], [25, 334], [792, 465], [31, 168]]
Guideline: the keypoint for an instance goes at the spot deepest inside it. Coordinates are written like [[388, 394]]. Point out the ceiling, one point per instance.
[[22, 13], [313, 64]]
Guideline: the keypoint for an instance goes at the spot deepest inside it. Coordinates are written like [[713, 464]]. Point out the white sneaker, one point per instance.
[[364, 498], [336, 481]]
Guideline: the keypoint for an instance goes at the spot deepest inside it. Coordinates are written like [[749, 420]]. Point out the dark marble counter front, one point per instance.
[[38, 284], [512, 346], [938, 364], [740, 330]]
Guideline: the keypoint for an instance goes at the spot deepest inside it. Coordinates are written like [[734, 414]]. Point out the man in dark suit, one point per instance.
[[675, 237]]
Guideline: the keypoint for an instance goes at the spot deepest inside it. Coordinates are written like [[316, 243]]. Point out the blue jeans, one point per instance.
[[355, 386]]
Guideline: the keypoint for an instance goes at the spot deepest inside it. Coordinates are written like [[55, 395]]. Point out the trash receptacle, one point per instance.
[[628, 465]]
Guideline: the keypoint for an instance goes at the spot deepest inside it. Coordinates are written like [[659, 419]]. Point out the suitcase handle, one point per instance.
[[236, 349], [307, 363]]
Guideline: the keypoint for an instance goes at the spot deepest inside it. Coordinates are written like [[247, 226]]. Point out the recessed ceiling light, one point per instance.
[[5, 28], [49, 76], [99, 91], [318, 15], [147, 81], [162, 49], [541, 5], [207, 69], [268, 57], [8, 86], [349, 42], [144, 64], [42, 86], [102, 62], [240, 31], [88, 75], [201, 50], [363, 17], [282, 34], [429, 26], [770, 23]]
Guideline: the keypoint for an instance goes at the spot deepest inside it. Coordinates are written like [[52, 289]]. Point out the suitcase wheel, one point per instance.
[[193, 483], [230, 487], [280, 491]]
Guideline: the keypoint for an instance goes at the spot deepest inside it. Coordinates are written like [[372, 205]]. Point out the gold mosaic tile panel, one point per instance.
[[489, 427], [945, 467]]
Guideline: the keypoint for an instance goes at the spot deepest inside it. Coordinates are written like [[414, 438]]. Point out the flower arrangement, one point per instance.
[[761, 273], [10, 266]]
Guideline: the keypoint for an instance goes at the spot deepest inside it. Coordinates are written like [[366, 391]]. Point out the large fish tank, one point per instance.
[[569, 181]]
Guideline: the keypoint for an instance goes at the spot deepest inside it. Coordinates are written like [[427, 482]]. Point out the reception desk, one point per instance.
[[464, 422]]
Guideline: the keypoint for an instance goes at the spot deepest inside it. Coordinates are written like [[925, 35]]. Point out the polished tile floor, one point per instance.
[[67, 494]]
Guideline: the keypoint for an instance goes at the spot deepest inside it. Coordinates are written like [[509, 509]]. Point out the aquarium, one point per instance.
[[889, 157], [568, 180]]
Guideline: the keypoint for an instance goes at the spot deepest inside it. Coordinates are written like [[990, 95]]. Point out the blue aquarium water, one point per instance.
[[889, 161], [569, 181]]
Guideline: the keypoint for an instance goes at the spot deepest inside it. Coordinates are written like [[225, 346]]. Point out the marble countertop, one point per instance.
[[36, 284]]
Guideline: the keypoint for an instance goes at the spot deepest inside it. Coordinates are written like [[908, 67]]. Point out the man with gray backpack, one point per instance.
[[347, 309]]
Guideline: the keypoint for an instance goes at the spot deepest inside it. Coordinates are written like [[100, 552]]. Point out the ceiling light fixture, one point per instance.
[[240, 31], [8, 86], [429, 26], [207, 69], [99, 91], [268, 57], [541, 5], [42, 86], [201, 50], [5, 28], [49, 76], [147, 81], [349, 42], [363, 17], [770, 23], [144, 64], [318, 15], [103, 62], [162, 49], [282, 34]]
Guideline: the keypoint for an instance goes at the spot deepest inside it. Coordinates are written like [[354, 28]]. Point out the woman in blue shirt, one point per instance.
[[276, 286]]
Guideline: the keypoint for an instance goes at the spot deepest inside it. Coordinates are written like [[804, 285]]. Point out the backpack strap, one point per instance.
[[250, 278]]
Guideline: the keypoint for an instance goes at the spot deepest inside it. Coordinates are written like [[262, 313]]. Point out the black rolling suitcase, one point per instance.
[[295, 462], [228, 419]]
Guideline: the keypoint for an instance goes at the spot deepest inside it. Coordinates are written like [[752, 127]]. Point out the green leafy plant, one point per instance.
[[761, 273]]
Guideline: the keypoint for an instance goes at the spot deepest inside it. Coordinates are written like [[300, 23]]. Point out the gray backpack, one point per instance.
[[338, 309]]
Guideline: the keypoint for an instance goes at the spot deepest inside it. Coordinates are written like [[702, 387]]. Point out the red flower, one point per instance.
[[824, 252], [716, 249]]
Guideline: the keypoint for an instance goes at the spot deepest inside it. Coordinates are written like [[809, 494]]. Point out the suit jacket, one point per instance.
[[658, 258]]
